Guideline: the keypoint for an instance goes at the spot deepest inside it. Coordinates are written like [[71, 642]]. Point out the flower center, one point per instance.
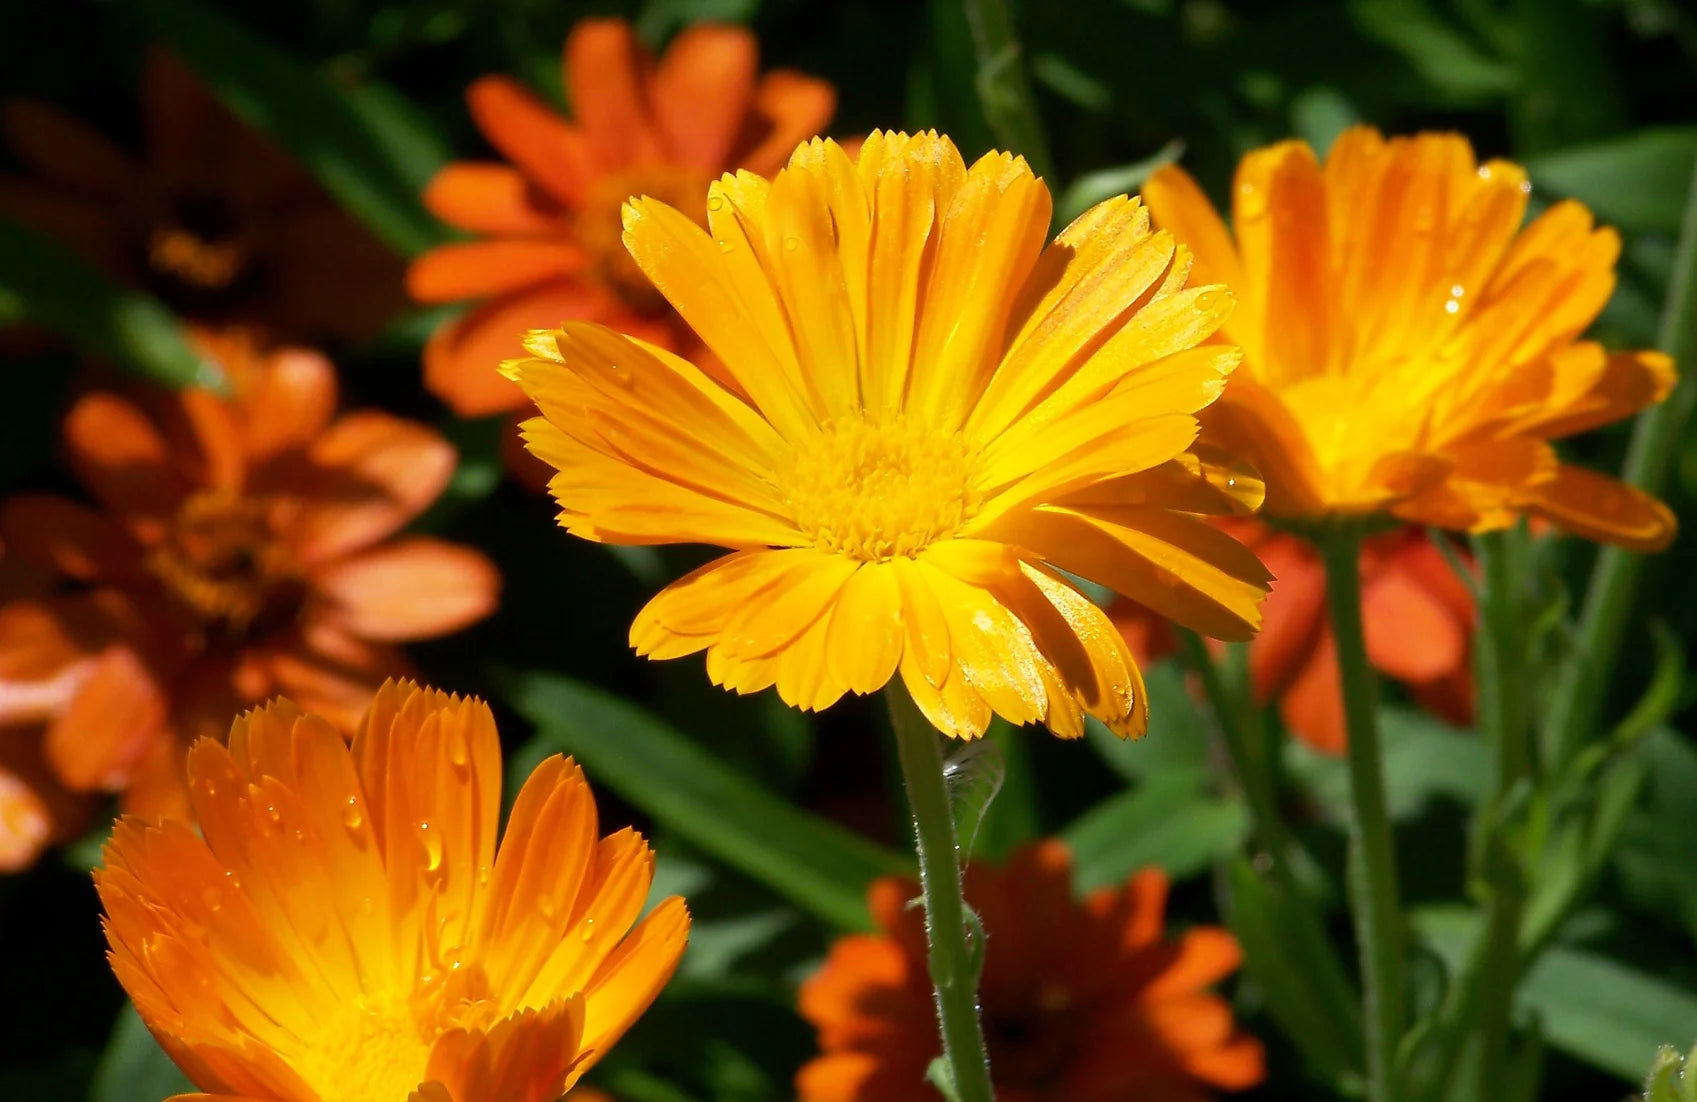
[[1033, 1045], [873, 490], [197, 250], [599, 226], [220, 559], [371, 1049]]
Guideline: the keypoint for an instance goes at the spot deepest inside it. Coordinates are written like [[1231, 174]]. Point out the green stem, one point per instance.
[[1577, 694], [1500, 646], [1372, 862], [1249, 754], [1003, 88], [953, 972]]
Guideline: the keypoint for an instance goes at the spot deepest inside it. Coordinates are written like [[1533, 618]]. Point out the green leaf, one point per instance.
[[1636, 182], [1169, 823], [814, 863], [1444, 57], [1291, 958], [1178, 731], [1424, 760], [1593, 1008], [134, 1067], [1090, 189], [53, 287], [362, 146]]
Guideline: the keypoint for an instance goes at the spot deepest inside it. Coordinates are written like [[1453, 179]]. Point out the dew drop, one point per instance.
[[726, 245], [1251, 203], [1452, 307], [588, 931], [432, 844], [351, 817], [715, 202], [213, 898], [792, 243]]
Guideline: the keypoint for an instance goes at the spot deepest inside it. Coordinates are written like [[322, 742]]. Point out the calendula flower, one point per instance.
[[241, 547], [344, 927], [211, 217], [1408, 348], [926, 416], [1418, 619], [1082, 1001], [548, 222]]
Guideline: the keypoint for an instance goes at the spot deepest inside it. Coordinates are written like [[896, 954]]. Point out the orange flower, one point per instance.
[[244, 550], [550, 246], [1407, 349], [1082, 1002], [1418, 616], [344, 929], [213, 218]]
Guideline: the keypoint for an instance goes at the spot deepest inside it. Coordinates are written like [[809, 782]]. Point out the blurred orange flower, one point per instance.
[[213, 218], [926, 414], [1408, 349], [242, 549], [1419, 621], [1082, 1002], [345, 929], [549, 222]]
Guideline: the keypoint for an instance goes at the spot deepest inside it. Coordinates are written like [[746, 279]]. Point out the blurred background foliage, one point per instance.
[[772, 822]]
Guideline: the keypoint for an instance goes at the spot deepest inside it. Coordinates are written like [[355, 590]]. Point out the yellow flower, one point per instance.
[[1407, 348], [347, 932], [915, 416]]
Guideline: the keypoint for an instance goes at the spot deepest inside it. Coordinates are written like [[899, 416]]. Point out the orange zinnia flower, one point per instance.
[[1407, 348], [1418, 616], [213, 218], [927, 416], [550, 220], [1082, 1002], [244, 551], [345, 929]]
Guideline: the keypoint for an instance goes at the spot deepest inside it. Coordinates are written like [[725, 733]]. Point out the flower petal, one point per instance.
[[497, 199], [372, 473], [702, 91], [552, 153], [409, 589], [498, 266]]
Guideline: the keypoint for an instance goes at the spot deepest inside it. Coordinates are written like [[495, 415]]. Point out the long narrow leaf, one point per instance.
[[814, 863], [362, 148], [55, 288]]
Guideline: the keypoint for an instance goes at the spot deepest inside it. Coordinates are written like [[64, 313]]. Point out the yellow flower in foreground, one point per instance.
[[914, 415], [347, 932], [1407, 348]]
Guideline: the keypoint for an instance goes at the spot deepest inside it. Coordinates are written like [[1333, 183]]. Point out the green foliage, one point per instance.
[[808, 860], [47, 284]]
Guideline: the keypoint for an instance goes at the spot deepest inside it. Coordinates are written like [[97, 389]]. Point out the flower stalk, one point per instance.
[[1372, 861], [954, 971]]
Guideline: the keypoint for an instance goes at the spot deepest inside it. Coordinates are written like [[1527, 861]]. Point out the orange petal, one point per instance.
[[553, 154], [1600, 508], [480, 269], [1312, 707], [113, 718], [1279, 214], [372, 474], [1177, 204], [65, 151], [1411, 635], [1293, 618], [527, 1057], [121, 457], [409, 589], [606, 73], [47, 648], [793, 108], [1253, 423], [491, 198], [702, 92], [462, 359], [287, 402], [68, 537], [329, 672]]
